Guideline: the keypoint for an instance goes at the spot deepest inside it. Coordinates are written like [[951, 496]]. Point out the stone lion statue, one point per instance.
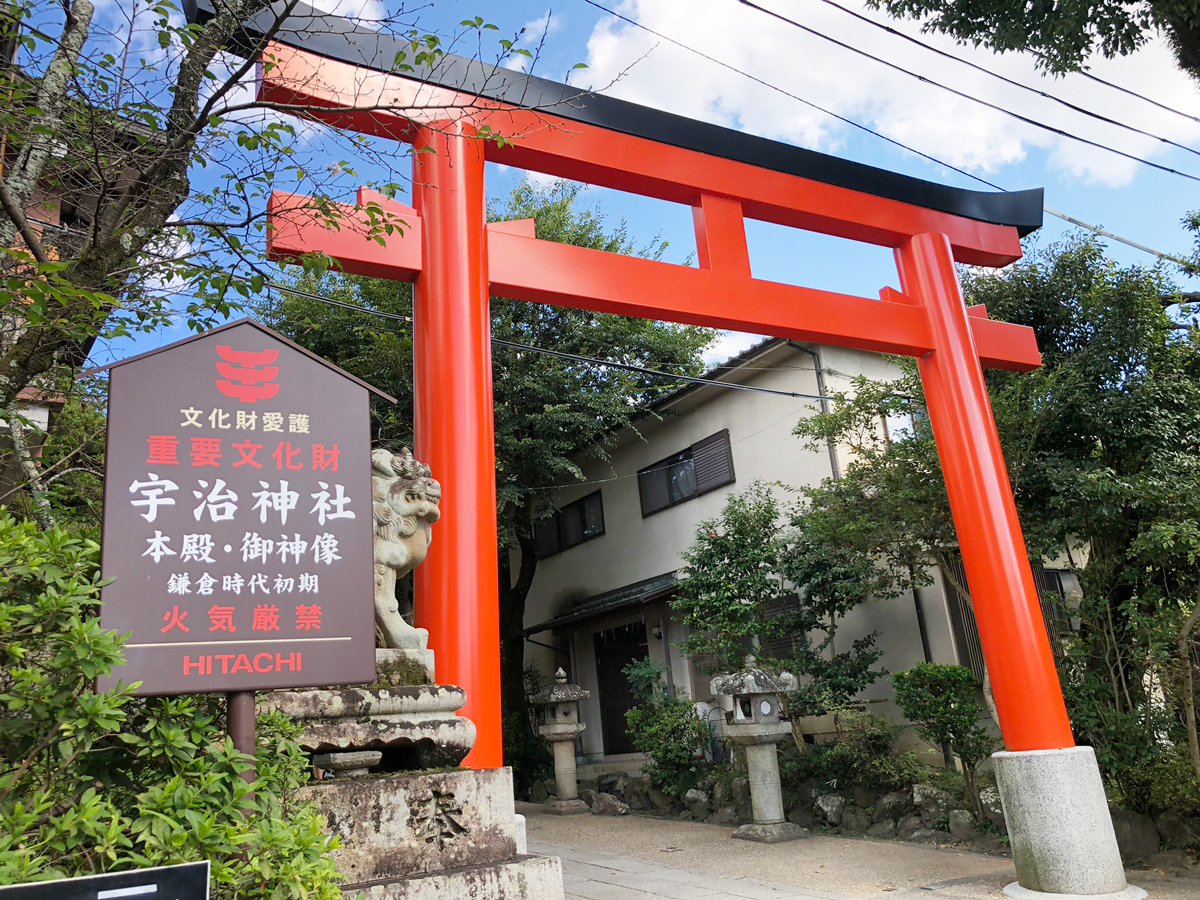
[[405, 504]]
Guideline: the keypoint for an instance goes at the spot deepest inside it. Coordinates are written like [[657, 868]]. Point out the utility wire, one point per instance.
[[1125, 90], [559, 354], [993, 106], [933, 159], [986, 71]]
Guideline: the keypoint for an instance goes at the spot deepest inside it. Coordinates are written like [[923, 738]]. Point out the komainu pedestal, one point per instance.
[[408, 834]]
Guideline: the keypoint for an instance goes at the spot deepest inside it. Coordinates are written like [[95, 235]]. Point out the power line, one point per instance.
[[560, 354], [986, 71], [993, 106], [1125, 90], [873, 133]]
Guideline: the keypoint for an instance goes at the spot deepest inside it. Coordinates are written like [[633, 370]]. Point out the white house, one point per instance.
[[601, 594]]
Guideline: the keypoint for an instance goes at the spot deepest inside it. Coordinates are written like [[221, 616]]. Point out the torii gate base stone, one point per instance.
[[1062, 837]]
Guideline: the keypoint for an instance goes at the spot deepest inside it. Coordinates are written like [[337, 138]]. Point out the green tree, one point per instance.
[[759, 578], [100, 781], [548, 411], [137, 165], [1102, 444], [943, 702], [1064, 34], [733, 592]]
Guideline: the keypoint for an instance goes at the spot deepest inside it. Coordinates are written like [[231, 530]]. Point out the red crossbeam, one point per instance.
[[524, 268]]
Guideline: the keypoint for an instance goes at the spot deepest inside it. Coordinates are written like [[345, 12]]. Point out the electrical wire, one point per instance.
[[933, 159], [560, 354], [963, 94], [986, 71]]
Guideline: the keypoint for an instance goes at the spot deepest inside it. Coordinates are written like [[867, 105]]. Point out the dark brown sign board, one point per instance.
[[237, 517], [188, 881]]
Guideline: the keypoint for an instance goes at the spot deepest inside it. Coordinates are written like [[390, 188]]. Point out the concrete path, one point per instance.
[[643, 858]]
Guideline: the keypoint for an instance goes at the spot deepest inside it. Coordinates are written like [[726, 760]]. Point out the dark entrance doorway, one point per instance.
[[615, 649]]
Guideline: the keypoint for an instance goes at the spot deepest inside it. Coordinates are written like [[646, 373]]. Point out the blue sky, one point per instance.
[[1131, 199]]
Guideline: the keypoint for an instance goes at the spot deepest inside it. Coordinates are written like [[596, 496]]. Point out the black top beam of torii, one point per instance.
[[341, 39]]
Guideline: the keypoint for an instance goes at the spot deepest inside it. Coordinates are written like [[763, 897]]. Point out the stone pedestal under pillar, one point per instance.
[[1061, 831]]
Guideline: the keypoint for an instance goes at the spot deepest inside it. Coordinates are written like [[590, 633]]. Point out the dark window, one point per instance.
[[578, 521], [702, 467], [962, 615]]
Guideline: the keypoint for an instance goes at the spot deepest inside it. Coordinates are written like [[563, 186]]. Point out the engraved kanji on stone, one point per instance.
[[436, 818]]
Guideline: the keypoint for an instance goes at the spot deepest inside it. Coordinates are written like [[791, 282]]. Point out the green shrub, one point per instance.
[[943, 702], [101, 781], [1161, 783], [666, 729], [865, 755]]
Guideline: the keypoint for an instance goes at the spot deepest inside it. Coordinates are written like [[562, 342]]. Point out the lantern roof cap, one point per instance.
[[559, 692], [753, 680]]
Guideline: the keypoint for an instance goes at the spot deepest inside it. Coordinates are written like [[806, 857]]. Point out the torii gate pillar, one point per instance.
[[456, 595]]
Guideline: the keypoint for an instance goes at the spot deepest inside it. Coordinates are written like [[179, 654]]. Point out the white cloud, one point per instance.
[[729, 345], [627, 62], [367, 13]]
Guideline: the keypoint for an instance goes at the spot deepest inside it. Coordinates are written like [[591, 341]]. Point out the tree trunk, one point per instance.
[[513, 593], [1183, 643], [29, 467], [972, 790]]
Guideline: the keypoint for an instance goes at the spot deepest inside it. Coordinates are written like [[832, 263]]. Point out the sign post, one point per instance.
[[237, 521]]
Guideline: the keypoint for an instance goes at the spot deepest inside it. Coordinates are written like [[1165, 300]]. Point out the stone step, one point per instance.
[[523, 878]]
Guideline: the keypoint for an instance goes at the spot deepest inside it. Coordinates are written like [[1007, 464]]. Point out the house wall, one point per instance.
[[635, 548]]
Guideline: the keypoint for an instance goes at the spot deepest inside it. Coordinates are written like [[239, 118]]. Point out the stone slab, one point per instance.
[[774, 833], [352, 703], [412, 742], [1016, 892], [402, 825], [567, 807], [524, 878]]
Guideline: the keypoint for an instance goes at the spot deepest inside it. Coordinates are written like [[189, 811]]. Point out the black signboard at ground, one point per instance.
[[188, 881], [237, 517]]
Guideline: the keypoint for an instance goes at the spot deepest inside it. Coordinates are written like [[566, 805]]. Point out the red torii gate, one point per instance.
[[456, 260]]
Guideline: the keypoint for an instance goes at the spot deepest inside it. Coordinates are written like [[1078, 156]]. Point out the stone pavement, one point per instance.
[[644, 858]]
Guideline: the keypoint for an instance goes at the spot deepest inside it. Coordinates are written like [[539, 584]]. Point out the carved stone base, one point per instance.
[[404, 825], [566, 807], [526, 878], [415, 726]]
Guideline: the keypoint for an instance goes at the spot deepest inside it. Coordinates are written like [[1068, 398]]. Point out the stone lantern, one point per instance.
[[562, 727], [755, 724]]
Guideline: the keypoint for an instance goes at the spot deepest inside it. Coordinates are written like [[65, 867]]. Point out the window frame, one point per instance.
[[687, 454], [560, 544]]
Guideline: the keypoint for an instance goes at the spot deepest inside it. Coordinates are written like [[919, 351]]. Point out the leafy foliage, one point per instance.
[[665, 728], [864, 755], [100, 781], [943, 702], [1063, 35], [753, 575], [733, 589], [1103, 449]]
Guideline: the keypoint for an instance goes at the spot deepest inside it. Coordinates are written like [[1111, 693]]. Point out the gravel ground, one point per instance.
[[638, 858]]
